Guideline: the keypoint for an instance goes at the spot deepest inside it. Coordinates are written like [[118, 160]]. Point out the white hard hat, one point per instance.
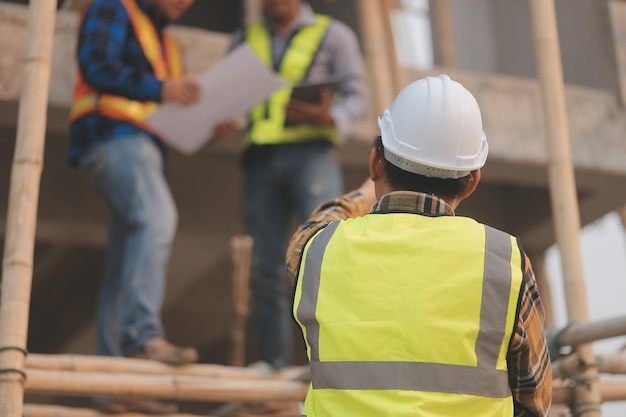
[[434, 128]]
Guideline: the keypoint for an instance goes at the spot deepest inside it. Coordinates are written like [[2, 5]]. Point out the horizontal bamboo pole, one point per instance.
[[83, 363], [302, 373], [572, 365], [577, 334], [610, 390], [40, 410], [612, 364], [567, 366], [183, 388]]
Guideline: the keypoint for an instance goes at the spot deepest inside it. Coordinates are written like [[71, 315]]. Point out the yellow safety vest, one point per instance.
[[166, 63], [267, 120], [396, 327]]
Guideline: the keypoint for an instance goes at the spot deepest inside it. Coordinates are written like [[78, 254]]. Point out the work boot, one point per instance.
[[115, 405], [161, 350]]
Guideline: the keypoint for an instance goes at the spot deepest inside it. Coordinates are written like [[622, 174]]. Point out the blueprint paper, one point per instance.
[[229, 90]]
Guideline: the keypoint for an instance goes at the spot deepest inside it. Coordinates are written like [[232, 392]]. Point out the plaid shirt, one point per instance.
[[530, 374], [111, 60]]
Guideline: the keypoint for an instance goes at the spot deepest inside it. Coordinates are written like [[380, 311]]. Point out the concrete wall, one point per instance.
[[495, 37], [202, 49]]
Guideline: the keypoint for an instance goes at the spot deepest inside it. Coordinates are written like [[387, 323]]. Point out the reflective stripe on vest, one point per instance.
[[166, 63], [267, 120], [488, 378]]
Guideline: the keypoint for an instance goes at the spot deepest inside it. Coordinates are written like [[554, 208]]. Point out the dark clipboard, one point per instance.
[[310, 92]]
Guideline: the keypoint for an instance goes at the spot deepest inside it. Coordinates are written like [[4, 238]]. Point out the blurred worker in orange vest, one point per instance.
[[128, 62]]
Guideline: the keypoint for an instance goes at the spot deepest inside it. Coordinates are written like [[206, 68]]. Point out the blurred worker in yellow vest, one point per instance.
[[290, 161], [407, 309], [128, 63]]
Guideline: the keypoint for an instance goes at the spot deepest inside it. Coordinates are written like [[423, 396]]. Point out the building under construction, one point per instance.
[[492, 46]]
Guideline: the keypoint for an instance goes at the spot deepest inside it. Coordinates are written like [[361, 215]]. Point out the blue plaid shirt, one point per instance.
[[111, 60]]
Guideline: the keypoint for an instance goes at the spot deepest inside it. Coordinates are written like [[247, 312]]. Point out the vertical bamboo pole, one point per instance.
[[563, 191], [17, 267], [399, 78], [445, 34], [241, 249], [376, 54]]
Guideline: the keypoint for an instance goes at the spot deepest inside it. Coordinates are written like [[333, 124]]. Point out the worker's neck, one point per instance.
[[283, 22], [158, 11]]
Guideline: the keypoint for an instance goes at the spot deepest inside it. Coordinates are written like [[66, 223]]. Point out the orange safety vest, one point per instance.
[[166, 63]]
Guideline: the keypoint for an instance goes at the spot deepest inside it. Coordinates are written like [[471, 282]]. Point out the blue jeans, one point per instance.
[[280, 182], [128, 173]]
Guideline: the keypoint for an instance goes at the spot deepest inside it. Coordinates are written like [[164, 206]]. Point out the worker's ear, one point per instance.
[[375, 166], [473, 183]]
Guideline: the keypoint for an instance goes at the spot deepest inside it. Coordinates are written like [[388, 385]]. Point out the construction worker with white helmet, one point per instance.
[[406, 308]]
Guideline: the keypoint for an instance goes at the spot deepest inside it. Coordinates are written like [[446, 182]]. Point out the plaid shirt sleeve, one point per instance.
[[530, 374], [101, 44], [347, 206]]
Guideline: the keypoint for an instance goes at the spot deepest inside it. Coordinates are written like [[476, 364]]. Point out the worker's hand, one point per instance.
[[368, 189], [224, 130], [184, 91], [315, 113]]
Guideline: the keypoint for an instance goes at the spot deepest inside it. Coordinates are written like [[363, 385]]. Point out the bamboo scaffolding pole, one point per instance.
[[610, 390], [271, 410], [563, 189], [376, 53], [571, 365], [577, 334], [612, 364], [302, 374], [241, 249], [568, 366], [103, 364], [446, 46], [399, 77], [41, 410], [17, 267], [181, 388]]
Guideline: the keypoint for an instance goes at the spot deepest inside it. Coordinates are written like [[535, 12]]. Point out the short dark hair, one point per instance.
[[401, 180]]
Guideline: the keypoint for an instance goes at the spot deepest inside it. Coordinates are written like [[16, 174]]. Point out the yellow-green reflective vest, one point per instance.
[[267, 120], [408, 315]]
